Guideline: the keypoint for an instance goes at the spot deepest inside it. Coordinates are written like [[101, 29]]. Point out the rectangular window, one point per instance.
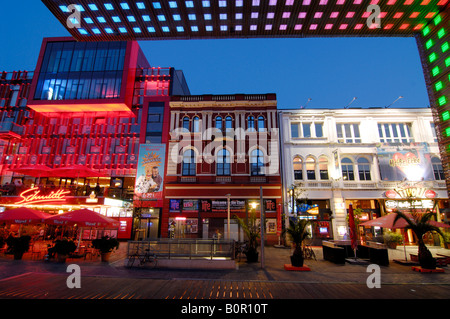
[[294, 130], [319, 129], [348, 133], [395, 133], [306, 129]]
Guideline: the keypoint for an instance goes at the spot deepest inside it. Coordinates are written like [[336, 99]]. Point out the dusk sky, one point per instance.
[[330, 71]]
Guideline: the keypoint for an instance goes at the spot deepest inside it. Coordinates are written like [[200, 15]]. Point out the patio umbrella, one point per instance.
[[23, 215], [34, 170], [352, 226], [388, 221], [84, 218], [77, 171]]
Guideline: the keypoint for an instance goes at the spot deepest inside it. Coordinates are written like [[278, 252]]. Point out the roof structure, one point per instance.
[[427, 20], [110, 20]]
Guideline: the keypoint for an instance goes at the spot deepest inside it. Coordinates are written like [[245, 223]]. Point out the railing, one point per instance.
[[184, 248]]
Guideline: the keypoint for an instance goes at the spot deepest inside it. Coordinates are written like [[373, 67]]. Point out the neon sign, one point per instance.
[[28, 197]]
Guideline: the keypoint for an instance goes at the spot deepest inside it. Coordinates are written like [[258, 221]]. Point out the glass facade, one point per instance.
[[80, 71]]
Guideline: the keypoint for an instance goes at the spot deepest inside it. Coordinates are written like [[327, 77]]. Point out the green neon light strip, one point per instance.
[[429, 43], [446, 115], [438, 86], [426, 31], [437, 20], [435, 71], [432, 57], [447, 61], [442, 100], [445, 47], [447, 132], [441, 33]]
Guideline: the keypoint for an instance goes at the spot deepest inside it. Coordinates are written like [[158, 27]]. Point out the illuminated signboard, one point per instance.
[[410, 192], [409, 160], [33, 196]]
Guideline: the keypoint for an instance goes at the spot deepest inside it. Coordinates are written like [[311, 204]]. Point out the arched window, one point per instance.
[[219, 123], [223, 162], [437, 169], [323, 168], [310, 168], [186, 123], [188, 163], [261, 124], [298, 168], [196, 124], [228, 123], [364, 169], [251, 124], [347, 169], [256, 162]]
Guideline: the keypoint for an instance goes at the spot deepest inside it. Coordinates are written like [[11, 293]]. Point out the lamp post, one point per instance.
[[263, 224], [228, 216]]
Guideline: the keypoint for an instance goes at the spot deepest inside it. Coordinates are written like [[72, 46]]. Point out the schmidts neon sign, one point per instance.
[[54, 196]]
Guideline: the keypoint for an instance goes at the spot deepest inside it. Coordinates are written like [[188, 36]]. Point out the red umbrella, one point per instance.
[[23, 215], [34, 170], [352, 226], [76, 171], [82, 218], [387, 221]]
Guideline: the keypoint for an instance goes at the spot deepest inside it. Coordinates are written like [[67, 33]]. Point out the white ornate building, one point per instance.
[[335, 157]]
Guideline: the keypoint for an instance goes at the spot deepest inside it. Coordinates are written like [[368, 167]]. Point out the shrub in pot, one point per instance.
[[64, 247], [251, 231], [105, 245], [392, 239], [297, 232], [18, 245]]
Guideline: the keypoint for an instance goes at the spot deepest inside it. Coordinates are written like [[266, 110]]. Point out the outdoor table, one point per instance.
[[377, 253]]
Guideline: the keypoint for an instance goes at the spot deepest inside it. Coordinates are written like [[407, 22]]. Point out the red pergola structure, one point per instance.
[[426, 20]]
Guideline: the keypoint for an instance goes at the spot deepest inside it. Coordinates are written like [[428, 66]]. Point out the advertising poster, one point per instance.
[[411, 161], [150, 171]]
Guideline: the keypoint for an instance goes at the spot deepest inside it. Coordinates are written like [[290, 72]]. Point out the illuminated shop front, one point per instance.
[[208, 218], [59, 201], [329, 158]]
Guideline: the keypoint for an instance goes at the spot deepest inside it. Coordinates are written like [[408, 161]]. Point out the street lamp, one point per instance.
[[228, 216]]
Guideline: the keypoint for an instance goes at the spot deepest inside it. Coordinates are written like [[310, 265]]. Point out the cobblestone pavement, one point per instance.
[[38, 279]]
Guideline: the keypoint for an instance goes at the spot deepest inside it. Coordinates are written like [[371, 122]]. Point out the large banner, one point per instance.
[[399, 161], [150, 171]]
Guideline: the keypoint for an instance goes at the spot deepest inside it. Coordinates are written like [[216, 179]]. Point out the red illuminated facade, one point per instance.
[[83, 105], [222, 148]]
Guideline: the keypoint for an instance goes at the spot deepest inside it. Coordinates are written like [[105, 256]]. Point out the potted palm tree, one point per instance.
[[419, 224], [252, 231], [63, 248], [105, 245], [18, 245], [297, 231]]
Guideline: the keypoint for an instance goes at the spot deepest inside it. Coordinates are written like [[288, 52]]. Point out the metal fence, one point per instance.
[[183, 248]]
